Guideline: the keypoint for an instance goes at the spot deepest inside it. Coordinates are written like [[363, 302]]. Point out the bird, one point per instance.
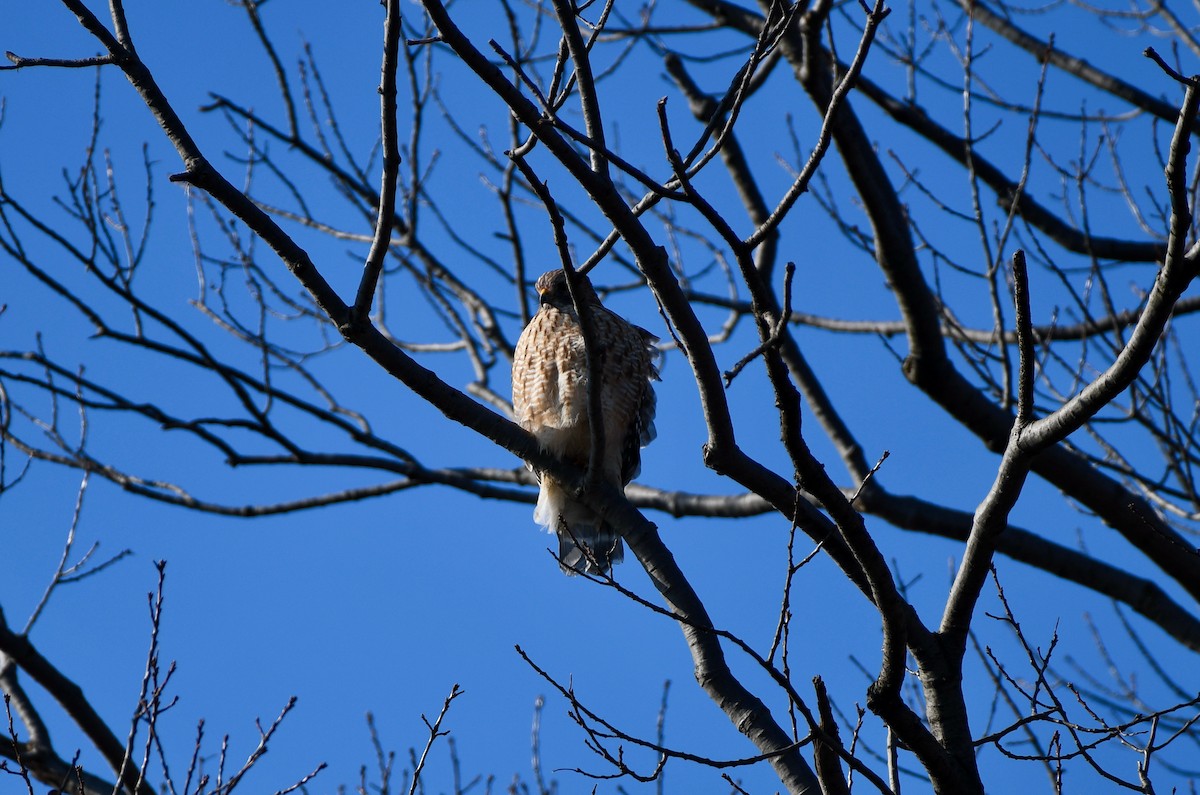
[[549, 390]]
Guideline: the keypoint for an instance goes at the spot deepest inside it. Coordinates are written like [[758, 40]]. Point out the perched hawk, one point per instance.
[[550, 386]]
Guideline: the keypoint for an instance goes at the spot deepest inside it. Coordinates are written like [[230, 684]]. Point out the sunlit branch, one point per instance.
[[391, 163]]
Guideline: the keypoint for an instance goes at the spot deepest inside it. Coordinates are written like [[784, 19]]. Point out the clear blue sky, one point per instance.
[[383, 605]]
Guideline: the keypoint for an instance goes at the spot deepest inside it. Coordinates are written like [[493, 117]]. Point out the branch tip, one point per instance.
[[1153, 55]]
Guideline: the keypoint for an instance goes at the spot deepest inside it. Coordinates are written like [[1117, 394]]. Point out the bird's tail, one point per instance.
[[586, 543], [589, 548]]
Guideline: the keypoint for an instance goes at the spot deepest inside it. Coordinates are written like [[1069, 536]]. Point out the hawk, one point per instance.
[[550, 386]]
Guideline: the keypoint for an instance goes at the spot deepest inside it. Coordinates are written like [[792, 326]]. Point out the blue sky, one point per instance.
[[383, 605]]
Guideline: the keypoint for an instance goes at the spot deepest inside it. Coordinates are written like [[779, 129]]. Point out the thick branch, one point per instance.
[[391, 162], [74, 702]]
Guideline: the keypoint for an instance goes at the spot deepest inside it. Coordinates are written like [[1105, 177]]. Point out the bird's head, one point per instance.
[[552, 291]]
